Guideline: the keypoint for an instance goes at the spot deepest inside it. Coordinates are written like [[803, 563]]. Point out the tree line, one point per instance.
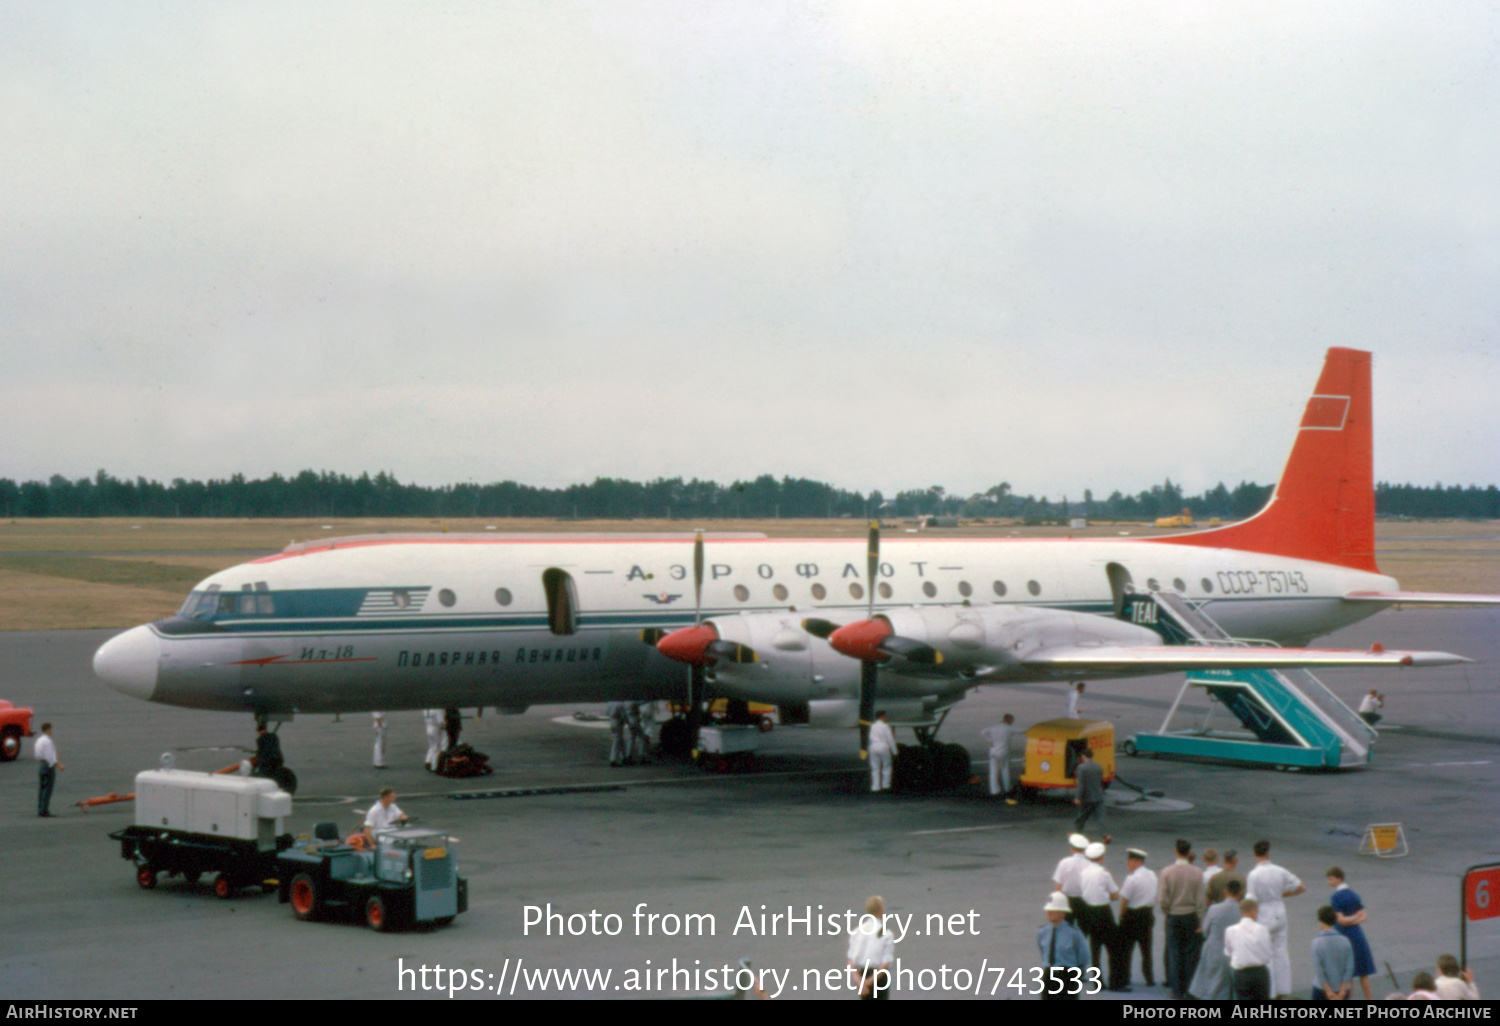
[[326, 494]]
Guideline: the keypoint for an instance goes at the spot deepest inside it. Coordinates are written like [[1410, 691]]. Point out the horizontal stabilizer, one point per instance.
[[1423, 598], [1177, 658]]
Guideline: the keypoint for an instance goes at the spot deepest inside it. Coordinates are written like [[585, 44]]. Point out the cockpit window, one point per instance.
[[212, 603]]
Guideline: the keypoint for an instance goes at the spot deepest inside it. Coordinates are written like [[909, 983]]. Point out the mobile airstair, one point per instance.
[[1289, 718]]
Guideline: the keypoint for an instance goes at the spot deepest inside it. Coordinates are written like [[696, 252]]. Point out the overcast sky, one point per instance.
[[883, 245]]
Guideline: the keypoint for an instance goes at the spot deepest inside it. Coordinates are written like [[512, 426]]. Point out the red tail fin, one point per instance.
[[1324, 506]]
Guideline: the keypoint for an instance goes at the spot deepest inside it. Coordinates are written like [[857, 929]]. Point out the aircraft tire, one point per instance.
[[953, 765]]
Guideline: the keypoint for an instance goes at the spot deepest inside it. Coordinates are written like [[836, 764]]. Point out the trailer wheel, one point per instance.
[[145, 876], [10, 743], [223, 886], [306, 902], [766, 724], [376, 916], [1128, 747]]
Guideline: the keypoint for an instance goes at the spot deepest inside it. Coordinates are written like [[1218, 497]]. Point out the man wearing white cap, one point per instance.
[[1063, 947], [1099, 889], [1067, 877], [1137, 915]]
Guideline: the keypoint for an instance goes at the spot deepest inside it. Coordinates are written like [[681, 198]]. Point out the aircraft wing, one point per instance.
[[1423, 598], [1083, 660]]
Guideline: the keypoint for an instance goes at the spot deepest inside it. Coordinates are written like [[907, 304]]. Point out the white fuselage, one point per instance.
[[446, 620]]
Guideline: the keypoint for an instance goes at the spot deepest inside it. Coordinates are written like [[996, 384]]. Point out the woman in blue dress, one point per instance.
[[1351, 913]]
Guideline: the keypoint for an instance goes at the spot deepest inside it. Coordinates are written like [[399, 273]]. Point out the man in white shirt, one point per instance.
[[1267, 884], [1137, 915], [384, 815], [377, 720], [999, 738], [1075, 700], [1067, 877], [1098, 922], [432, 721], [872, 949], [1248, 945], [47, 767], [882, 750]]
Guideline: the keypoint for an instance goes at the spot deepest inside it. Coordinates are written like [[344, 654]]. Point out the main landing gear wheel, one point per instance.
[[145, 877], [304, 895], [10, 743], [376, 915]]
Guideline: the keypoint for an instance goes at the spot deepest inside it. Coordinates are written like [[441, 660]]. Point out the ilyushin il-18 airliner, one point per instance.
[[818, 627]]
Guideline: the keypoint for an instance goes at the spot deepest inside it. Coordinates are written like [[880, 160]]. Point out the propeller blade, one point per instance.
[[868, 672], [873, 565], [732, 652], [911, 650], [698, 578], [819, 628]]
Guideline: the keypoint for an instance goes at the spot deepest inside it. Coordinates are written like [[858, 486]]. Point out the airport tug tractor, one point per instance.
[[15, 724], [193, 823], [410, 878]]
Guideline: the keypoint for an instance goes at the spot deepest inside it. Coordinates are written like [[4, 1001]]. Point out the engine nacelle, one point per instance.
[[793, 667], [993, 638], [844, 712]]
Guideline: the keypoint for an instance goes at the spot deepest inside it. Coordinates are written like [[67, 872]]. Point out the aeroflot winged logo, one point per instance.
[[662, 598]]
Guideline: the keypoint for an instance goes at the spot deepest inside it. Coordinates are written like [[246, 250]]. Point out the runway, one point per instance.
[[700, 851]]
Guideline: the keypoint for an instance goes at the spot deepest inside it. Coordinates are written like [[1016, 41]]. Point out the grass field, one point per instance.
[[71, 574]]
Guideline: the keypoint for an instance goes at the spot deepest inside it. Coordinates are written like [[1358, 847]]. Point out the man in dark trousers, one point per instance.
[[268, 760], [1183, 901], [1090, 780]]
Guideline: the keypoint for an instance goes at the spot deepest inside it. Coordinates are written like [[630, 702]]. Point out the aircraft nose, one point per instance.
[[128, 662]]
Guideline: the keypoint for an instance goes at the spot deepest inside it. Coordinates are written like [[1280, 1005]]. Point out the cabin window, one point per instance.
[[885, 590], [1177, 583], [742, 593], [965, 589], [1208, 586], [562, 601], [447, 598], [856, 591], [929, 589], [1152, 584], [1033, 587], [503, 596], [1000, 588], [780, 592], [819, 592]]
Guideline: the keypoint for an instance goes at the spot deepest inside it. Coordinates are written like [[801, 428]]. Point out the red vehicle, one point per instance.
[[14, 725]]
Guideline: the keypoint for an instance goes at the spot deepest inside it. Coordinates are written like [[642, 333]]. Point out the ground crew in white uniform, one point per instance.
[[377, 720], [640, 741], [619, 747], [1098, 889], [999, 738], [432, 721], [1066, 877], [1267, 885], [1137, 915], [882, 750]]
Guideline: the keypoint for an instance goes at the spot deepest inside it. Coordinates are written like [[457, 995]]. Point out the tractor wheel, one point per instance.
[[223, 886], [376, 915], [10, 743], [306, 902], [145, 876]]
